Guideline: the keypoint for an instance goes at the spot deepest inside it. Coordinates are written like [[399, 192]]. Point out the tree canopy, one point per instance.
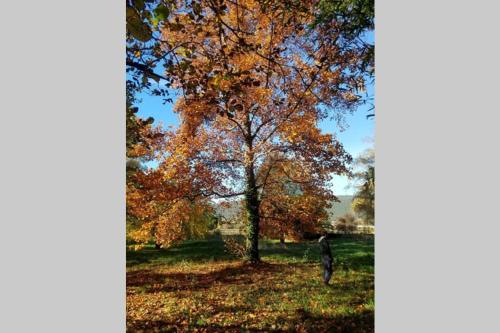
[[255, 80]]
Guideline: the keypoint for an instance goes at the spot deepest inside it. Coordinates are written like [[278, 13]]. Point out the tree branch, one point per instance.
[[145, 69]]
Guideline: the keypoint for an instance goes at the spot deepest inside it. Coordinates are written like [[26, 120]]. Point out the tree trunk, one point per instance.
[[282, 239], [251, 197], [252, 207]]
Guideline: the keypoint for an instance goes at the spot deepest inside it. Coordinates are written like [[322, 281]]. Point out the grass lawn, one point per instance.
[[197, 287]]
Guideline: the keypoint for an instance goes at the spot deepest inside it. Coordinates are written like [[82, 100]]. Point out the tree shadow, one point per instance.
[[169, 326], [241, 274], [189, 251], [300, 321], [362, 321]]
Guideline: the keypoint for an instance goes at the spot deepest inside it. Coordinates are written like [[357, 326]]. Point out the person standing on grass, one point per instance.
[[326, 258]]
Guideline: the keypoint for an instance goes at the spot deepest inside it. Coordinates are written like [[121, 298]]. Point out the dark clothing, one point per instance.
[[326, 259]]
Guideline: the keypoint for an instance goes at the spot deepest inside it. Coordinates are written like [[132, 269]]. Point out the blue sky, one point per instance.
[[356, 137]]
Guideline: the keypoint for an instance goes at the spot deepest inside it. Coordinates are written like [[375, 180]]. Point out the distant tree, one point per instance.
[[364, 199], [346, 224]]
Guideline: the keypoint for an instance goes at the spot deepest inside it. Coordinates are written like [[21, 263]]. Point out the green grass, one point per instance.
[[196, 286], [196, 251]]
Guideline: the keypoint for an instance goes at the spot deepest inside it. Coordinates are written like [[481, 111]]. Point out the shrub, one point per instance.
[[346, 224]]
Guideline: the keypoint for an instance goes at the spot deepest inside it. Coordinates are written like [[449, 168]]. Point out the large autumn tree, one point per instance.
[[255, 81]]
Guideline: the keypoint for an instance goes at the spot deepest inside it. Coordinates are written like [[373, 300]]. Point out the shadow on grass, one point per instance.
[[241, 274], [301, 321], [200, 251], [170, 326]]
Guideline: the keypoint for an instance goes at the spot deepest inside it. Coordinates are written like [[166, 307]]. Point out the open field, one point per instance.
[[197, 287]]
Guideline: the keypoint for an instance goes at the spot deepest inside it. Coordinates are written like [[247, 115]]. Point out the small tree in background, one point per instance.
[[363, 202], [346, 224]]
